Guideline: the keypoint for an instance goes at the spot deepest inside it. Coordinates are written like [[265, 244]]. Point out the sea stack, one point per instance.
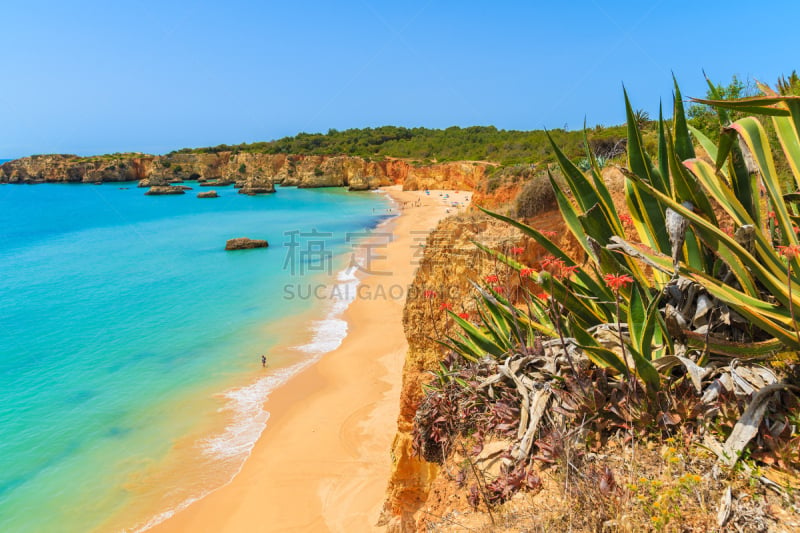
[[157, 190], [243, 243]]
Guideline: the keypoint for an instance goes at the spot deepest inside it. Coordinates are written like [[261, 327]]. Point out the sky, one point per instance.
[[90, 77]]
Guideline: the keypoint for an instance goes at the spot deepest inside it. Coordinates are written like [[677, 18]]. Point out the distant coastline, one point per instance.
[[251, 173]]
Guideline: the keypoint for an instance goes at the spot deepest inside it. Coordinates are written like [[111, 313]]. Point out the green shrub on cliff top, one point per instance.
[[451, 144], [537, 195]]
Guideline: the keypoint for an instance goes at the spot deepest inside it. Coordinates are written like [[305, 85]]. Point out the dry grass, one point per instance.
[[653, 486]]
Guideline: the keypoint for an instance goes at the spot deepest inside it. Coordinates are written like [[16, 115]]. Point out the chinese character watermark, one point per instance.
[[369, 242], [314, 257]]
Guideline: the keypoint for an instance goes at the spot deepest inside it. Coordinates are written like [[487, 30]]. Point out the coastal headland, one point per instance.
[[252, 173]]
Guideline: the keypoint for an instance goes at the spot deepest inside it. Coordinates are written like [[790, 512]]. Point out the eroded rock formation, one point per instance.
[[243, 243], [256, 182], [253, 173], [160, 190], [74, 169]]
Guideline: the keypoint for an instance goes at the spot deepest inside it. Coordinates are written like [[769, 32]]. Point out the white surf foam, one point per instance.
[[246, 404]]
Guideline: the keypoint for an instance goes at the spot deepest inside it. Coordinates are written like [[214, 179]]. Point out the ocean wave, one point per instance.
[[246, 404], [234, 445], [160, 517]]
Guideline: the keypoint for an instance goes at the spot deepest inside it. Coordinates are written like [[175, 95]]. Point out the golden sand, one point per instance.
[[322, 463]]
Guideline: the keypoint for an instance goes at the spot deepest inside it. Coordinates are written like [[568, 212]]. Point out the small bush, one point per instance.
[[536, 196]]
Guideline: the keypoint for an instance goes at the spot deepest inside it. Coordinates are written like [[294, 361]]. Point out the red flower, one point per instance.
[[429, 294], [543, 296], [499, 289], [517, 250], [626, 219], [549, 261], [463, 315], [790, 252], [549, 234], [492, 278], [617, 281], [558, 268], [526, 272], [771, 215], [445, 305], [567, 271]]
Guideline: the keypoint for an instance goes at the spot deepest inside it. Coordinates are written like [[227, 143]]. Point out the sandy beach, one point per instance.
[[322, 463]]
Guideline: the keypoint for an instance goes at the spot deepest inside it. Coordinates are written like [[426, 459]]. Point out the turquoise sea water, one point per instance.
[[130, 373]]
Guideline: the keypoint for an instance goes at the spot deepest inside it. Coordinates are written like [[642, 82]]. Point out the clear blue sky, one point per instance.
[[93, 77]]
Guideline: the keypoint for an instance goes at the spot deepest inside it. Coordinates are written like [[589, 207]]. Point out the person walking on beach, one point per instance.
[[264, 361]]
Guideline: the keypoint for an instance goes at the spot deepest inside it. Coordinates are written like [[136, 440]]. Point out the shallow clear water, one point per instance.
[[131, 340]]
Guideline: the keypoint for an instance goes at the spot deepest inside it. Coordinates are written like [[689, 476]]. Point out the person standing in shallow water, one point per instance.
[[264, 361]]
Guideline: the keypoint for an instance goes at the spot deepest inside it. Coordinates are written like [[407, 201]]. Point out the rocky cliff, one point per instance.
[[74, 169], [254, 173], [450, 261]]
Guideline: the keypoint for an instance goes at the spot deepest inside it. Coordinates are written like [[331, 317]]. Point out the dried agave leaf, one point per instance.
[[676, 322], [747, 426], [723, 382], [491, 380], [749, 379], [538, 406], [724, 512], [704, 305], [696, 373]]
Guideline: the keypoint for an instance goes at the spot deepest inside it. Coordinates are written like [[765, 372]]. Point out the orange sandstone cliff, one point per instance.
[[256, 171], [450, 261]]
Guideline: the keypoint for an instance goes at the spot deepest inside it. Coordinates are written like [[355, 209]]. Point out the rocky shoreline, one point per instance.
[[251, 173]]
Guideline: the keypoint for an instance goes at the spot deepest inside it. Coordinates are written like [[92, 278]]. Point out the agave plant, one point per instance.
[[748, 271], [761, 255], [706, 244]]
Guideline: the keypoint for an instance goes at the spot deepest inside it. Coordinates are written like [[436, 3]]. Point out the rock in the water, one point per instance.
[[157, 190], [243, 243], [208, 194], [256, 183], [252, 191]]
